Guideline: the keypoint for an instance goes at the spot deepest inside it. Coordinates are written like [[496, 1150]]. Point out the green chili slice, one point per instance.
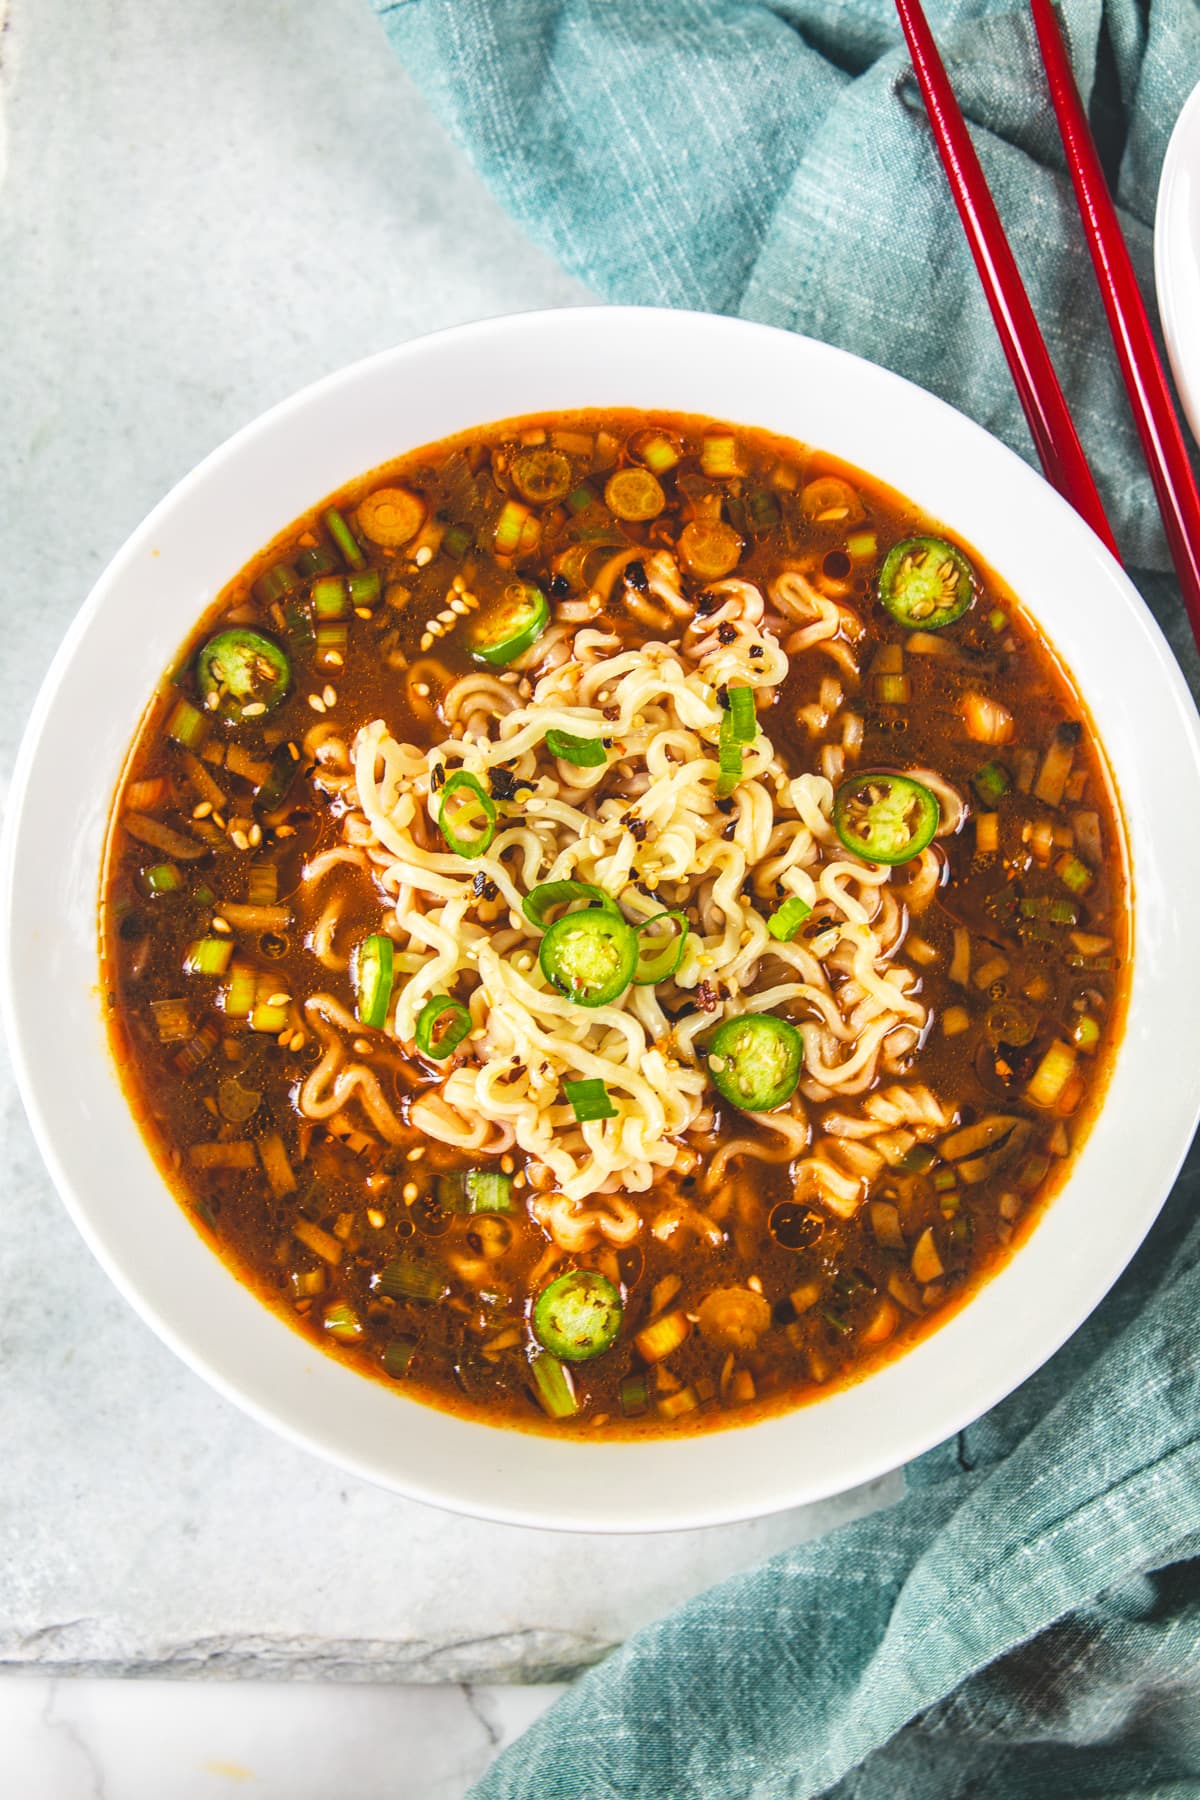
[[590, 1099], [537, 904], [512, 626], [442, 1024], [660, 947], [885, 818], [754, 1061], [580, 752], [577, 1316], [247, 671], [590, 956], [926, 583], [373, 978], [466, 816], [787, 919]]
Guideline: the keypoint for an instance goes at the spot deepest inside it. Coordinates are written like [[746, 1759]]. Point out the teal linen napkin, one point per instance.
[[1026, 1622]]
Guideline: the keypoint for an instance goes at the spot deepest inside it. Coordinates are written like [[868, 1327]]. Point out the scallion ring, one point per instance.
[[442, 1024], [466, 816], [538, 902], [580, 752], [742, 715], [787, 919], [373, 967], [661, 940]]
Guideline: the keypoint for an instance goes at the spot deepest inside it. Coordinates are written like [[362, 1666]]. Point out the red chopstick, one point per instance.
[[1149, 395], [1051, 424]]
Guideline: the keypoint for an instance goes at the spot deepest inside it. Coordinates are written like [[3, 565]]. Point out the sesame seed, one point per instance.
[[446, 617], [424, 555], [421, 688], [280, 1000], [507, 1164], [376, 1219], [253, 709], [335, 657], [212, 701], [426, 641], [239, 839], [417, 1154], [363, 1046], [434, 629], [285, 1038], [293, 751], [458, 585], [285, 831], [460, 607], [202, 811], [255, 835], [329, 696], [362, 612], [219, 821], [316, 702], [409, 1192], [221, 925], [298, 1040]]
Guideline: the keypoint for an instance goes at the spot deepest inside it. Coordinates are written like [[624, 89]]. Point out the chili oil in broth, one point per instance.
[[1020, 956]]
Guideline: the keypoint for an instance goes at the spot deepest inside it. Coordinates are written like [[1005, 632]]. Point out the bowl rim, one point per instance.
[[856, 1465]]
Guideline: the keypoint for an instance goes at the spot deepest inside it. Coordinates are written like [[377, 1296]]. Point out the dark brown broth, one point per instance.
[[343, 1186]]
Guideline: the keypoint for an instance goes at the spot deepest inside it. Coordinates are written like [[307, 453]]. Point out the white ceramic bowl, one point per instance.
[[148, 601], [1177, 256]]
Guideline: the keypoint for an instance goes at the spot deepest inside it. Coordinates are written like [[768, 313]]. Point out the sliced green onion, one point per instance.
[[510, 526], [442, 1024], [173, 1019], [1086, 1033], [730, 763], [861, 544], [635, 1396], [997, 619], [553, 1386], [163, 878], [397, 1356], [373, 966], [476, 1191], [345, 539], [1073, 874], [1058, 912], [275, 584], [405, 1279], [538, 903], [319, 560], [580, 752], [762, 511], [297, 623], [466, 816], [187, 725], [343, 1323], [208, 956], [742, 715], [719, 457], [456, 541], [991, 782], [332, 638], [660, 947], [330, 599], [787, 919], [273, 791], [590, 1100], [581, 497], [363, 589], [241, 991]]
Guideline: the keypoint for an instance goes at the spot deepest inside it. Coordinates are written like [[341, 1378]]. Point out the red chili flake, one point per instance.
[[706, 996]]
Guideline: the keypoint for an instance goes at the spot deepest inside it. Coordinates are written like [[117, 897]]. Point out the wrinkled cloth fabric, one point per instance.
[[1026, 1621]]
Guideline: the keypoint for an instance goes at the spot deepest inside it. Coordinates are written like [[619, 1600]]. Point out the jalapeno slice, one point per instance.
[[246, 671], [513, 625], [885, 818], [926, 583], [754, 1061], [590, 956], [577, 1316], [466, 816], [373, 978]]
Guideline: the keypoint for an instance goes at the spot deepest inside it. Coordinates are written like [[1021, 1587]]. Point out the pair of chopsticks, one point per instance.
[[1045, 407]]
